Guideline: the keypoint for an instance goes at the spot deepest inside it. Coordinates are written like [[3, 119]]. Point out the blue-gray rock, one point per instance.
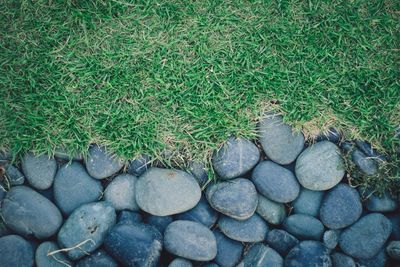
[[3, 229], [14, 176], [29, 213], [236, 198], [197, 169], [331, 135], [261, 256], [235, 158], [15, 251], [379, 260], [99, 258], [156, 192], [126, 216], [159, 222], [366, 237], [304, 227], [211, 264], [134, 245], [202, 213], [39, 170], [366, 164], [121, 192], [347, 146], [331, 238], [275, 182], [395, 220], [44, 258], [342, 260], [308, 254], [368, 150], [100, 164], [254, 229], [229, 251], [62, 154], [382, 203], [393, 250], [139, 165], [341, 207], [308, 202], [280, 143], [180, 262], [190, 240], [88, 226], [320, 166], [281, 241], [272, 212], [73, 187], [3, 193], [48, 193]]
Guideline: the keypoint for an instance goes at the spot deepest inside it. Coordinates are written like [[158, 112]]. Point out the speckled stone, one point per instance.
[[121, 192]]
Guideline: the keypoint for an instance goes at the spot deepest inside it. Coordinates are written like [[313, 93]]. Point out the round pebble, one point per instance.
[[121, 192], [254, 229], [383, 203], [272, 212], [331, 238], [308, 202], [100, 164], [39, 170], [308, 254], [304, 227], [15, 251]]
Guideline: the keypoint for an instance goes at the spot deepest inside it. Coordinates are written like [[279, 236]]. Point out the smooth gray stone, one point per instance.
[[121, 192], [308, 202], [89, 222], [157, 192], [275, 182], [280, 143], [366, 164], [99, 258], [341, 207], [342, 260], [14, 176], [197, 169], [39, 170], [202, 213], [366, 237], [190, 240], [308, 254], [235, 158], [62, 154], [126, 216], [15, 251], [180, 262], [281, 241], [236, 198], [139, 165], [73, 187], [304, 227], [272, 212], [331, 238], [383, 203], [229, 251], [320, 166], [42, 259], [254, 229], [159, 222], [379, 260], [134, 245], [100, 164], [29, 213], [262, 256], [393, 250]]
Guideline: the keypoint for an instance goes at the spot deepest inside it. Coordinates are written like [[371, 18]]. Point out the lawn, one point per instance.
[[146, 76]]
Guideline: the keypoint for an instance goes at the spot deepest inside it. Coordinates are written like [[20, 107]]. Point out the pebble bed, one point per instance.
[[282, 202]]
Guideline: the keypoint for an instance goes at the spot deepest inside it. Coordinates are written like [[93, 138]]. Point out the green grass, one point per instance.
[[145, 76]]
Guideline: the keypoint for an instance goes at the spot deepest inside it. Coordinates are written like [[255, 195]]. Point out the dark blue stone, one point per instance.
[[139, 166], [395, 220], [180, 262], [99, 258], [254, 229], [39, 170], [159, 222], [228, 251], [381, 203], [198, 171], [42, 259], [342, 260], [261, 256], [331, 135], [308, 202], [202, 213], [304, 227], [15, 251], [379, 260], [368, 150], [14, 176], [100, 164], [281, 241], [366, 164], [308, 253], [126, 216]]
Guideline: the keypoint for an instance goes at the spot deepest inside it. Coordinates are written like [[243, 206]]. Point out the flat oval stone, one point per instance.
[[190, 240], [320, 166], [235, 158], [272, 212], [280, 143], [236, 198], [366, 164], [275, 182], [29, 213], [341, 207], [15, 251], [308, 202], [89, 222], [202, 213], [331, 238], [180, 262], [42, 259], [383, 203], [99, 258], [308, 253], [260, 256], [159, 222], [393, 250], [281, 241], [254, 229], [14, 176], [228, 251], [134, 244], [73, 187], [342, 260], [39, 170], [121, 192], [366, 237], [156, 192], [100, 164], [304, 226]]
